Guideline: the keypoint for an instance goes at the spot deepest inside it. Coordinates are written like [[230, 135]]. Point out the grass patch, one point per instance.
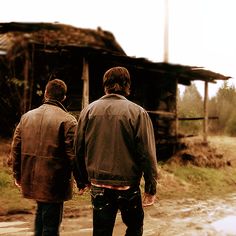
[[10, 196], [12, 201], [5, 179], [202, 182], [174, 182]]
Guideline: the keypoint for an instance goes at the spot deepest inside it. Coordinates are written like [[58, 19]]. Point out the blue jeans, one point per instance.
[[48, 219], [107, 202]]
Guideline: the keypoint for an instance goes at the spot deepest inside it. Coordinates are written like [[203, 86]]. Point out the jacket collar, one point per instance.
[[55, 103], [113, 95]]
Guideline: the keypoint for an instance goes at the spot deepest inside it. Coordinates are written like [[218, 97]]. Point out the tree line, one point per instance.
[[221, 106]]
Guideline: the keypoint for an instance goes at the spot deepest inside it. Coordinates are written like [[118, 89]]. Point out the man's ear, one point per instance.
[[64, 98], [45, 94]]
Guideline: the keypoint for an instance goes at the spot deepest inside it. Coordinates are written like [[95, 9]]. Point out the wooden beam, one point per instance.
[[163, 113], [199, 118], [85, 78]]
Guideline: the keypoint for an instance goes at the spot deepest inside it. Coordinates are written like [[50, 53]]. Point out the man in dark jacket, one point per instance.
[[43, 158], [115, 146]]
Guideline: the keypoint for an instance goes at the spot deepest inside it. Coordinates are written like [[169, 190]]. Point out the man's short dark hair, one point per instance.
[[56, 89], [117, 80]]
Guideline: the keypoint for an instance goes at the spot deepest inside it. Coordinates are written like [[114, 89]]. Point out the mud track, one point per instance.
[[183, 217]]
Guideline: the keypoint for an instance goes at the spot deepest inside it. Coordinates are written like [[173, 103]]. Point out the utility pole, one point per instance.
[[166, 60], [166, 32]]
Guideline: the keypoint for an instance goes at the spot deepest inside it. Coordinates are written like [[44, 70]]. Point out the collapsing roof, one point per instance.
[[55, 37], [33, 53]]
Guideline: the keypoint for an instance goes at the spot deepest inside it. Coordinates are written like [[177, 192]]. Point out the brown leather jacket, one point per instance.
[[115, 144], [42, 153]]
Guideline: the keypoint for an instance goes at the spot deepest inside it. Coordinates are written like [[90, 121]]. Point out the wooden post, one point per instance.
[[205, 122], [176, 111], [175, 147], [31, 73], [25, 106], [85, 78]]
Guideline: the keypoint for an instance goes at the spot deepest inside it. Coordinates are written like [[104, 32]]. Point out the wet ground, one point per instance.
[[186, 217]]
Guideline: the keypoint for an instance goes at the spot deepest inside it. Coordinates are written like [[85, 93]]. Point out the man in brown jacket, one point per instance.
[[43, 157], [115, 147]]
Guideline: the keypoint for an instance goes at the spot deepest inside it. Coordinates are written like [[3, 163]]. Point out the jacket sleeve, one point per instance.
[[146, 148], [79, 147], [16, 153], [69, 138], [69, 147]]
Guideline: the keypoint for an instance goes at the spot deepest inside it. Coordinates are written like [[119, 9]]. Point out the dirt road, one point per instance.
[[185, 217]]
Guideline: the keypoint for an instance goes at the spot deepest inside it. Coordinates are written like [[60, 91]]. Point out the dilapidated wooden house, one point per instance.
[[33, 53]]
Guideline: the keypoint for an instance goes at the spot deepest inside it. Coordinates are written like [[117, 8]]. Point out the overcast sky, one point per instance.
[[201, 32]]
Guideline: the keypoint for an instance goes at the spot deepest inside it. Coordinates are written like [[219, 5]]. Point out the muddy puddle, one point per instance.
[[186, 217]]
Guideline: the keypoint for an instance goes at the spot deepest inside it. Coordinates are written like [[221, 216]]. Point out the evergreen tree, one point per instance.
[[213, 125], [226, 102], [190, 106]]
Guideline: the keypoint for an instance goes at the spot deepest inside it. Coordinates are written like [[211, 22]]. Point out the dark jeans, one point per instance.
[[48, 219], [107, 202]]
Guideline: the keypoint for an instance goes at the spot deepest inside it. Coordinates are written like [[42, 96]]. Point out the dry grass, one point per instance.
[[226, 145], [198, 153], [199, 166]]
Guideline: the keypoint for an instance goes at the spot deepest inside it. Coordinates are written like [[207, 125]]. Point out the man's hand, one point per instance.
[[18, 184], [148, 199], [82, 190]]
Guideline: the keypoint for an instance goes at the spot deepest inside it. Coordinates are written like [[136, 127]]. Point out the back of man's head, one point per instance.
[[117, 80], [56, 90]]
